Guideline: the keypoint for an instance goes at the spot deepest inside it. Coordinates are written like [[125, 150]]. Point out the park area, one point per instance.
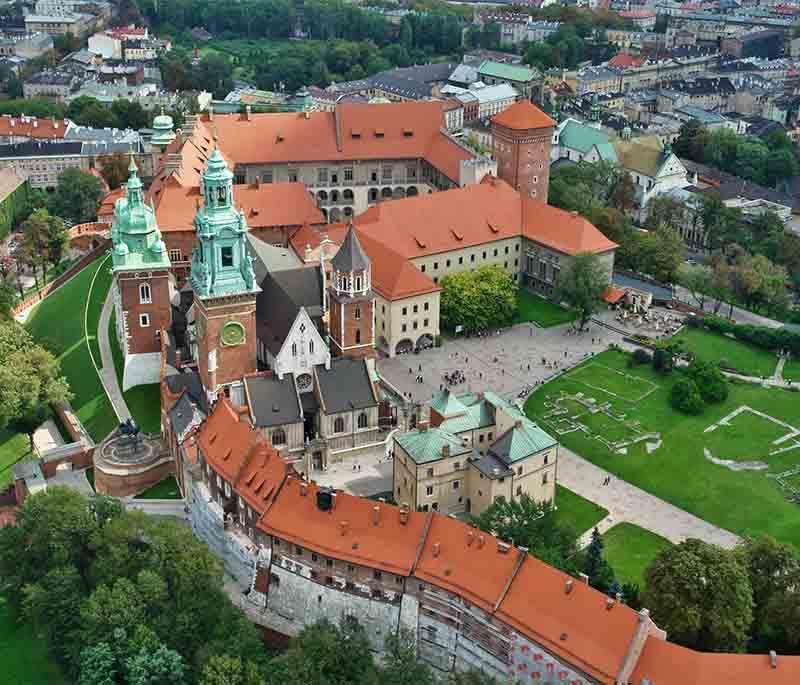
[[728, 352], [541, 311], [621, 419], [23, 654], [629, 550], [579, 513]]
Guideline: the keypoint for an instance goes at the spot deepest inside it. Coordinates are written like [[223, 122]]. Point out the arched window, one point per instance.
[[358, 336], [145, 296], [358, 282], [356, 312], [362, 420], [338, 425], [294, 349], [221, 194], [279, 436], [311, 347]]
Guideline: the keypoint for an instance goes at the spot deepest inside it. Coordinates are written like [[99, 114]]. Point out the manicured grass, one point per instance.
[[791, 370], [58, 324], [166, 489], [735, 440], [541, 311], [745, 502], [630, 549], [23, 654], [612, 382], [13, 448], [714, 347], [578, 512], [144, 401]]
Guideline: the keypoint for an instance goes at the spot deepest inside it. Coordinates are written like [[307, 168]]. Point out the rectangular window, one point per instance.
[[411, 172], [144, 320], [226, 253], [386, 173], [266, 177], [348, 174], [425, 322], [322, 175], [435, 266], [429, 490], [404, 328], [377, 575], [175, 256], [430, 473], [425, 306], [472, 258], [415, 308], [456, 485], [414, 325], [293, 175], [405, 311]]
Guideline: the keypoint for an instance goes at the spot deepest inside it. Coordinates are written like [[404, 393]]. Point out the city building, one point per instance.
[[642, 19], [474, 450], [579, 142], [58, 85], [653, 167], [24, 128], [526, 80], [488, 100], [41, 163], [26, 46], [59, 24]]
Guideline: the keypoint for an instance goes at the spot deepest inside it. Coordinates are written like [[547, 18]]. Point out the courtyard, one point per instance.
[[603, 411]]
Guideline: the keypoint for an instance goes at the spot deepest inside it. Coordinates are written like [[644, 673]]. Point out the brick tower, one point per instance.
[[224, 285], [521, 138], [352, 303], [142, 284]]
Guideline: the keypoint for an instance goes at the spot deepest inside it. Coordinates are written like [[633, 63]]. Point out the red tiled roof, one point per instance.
[[623, 60], [566, 232], [265, 205], [613, 295], [32, 127], [107, 204], [523, 115], [403, 130], [225, 440]]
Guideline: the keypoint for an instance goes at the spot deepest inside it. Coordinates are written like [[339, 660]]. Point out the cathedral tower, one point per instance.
[[142, 284], [351, 301], [224, 284]]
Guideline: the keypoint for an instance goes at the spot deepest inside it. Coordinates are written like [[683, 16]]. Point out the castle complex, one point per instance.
[[264, 343]]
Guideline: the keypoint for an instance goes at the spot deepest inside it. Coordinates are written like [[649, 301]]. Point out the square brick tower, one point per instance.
[[224, 284], [142, 284], [351, 322], [521, 138]]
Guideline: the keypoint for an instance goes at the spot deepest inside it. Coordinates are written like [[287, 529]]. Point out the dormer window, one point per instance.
[[379, 133], [407, 133]]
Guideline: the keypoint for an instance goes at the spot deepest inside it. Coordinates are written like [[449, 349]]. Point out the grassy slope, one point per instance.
[[541, 311], [58, 324], [746, 502], [713, 347], [630, 549], [578, 512], [13, 447], [23, 654], [166, 489], [144, 401]]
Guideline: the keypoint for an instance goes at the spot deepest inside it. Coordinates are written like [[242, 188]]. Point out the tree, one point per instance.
[[400, 664], [624, 195], [710, 381], [7, 299], [685, 396], [697, 279], [114, 169], [163, 666], [581, 285], [774, 572], [98, 665], [662, 253], [531, 524], [701, 595], [35, 231], [76, 197], [226, 670], [666, 212], [478, 300], [30, 381], [601, 575]]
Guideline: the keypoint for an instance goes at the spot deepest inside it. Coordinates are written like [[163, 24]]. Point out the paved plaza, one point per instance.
[[508, 363]]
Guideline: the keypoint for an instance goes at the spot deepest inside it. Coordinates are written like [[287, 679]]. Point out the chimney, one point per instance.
[[583, 578], [445, 450], [518, 423], [403, 515], [376, 514], [437, 548], [773, 658], [211, 111], [247, 112], [333, 501], [303, 489], [503, 547], [609, 603], [470, 538], [422, 426], [344, 526], [481, 541]]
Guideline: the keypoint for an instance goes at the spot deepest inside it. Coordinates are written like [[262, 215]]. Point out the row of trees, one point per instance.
[[765, 160], [124, 598]]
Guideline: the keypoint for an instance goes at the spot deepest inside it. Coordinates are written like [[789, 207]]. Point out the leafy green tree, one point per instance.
[[7, 298], [77, 196], [400, 665], [163, 666], [581, 285], [36, 235], [30, 381], [226, 670], [663, 253], [534, 525], [325, 653], [478, 300], [685, 396], [666, 212], [601, 575], [697, 279], [98, 665], [701, 595], [711, 382]]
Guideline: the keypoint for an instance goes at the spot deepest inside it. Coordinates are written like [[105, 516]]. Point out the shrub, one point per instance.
[[686, 397], [663, 361], [641, 356], [711, 382], [694, 321]]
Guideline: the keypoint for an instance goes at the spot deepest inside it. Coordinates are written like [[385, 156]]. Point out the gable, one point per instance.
[[671, 167], [303, 346]]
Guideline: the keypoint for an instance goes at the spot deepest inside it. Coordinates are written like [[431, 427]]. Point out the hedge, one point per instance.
[[760, 336]]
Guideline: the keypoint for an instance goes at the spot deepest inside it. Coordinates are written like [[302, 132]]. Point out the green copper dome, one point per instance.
[[135, 237], [163, 133]]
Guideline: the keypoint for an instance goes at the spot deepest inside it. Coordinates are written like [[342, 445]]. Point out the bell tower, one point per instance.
[[351, 301], [224, 284]]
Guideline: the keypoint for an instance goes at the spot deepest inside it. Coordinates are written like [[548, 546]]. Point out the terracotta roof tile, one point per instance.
[[225, 441], [31, 127], [623, 60], [347, 532], [523, 115], [566, 232], [538, 606]]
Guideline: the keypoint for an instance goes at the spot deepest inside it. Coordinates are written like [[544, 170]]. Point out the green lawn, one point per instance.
[[58, 324], [736, 440], [630, 549], [144, 401], [578, 512], [13, 447], [166, 489], [745, 502], [791, 370], [23, 654], [611, 382], [541, 311], [713, 347]]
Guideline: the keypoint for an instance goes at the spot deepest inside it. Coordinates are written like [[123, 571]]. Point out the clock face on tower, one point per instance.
[[232, 333]]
